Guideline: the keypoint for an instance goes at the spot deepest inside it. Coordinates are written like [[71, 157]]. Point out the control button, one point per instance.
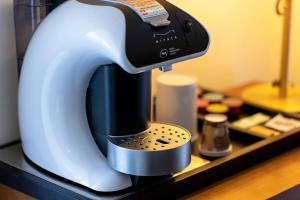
[[164, 53], [188, 25]]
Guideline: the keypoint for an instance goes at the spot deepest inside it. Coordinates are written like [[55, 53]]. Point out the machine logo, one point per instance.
[[170, 32], [165, 37], [164, 53]]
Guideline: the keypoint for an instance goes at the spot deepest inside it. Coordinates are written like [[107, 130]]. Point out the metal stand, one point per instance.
[[282, 96]]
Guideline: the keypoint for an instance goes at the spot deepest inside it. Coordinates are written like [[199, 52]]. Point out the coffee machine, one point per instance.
[[85, 91]]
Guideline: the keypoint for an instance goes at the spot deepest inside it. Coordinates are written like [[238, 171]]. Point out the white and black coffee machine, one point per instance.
[[85, 89]]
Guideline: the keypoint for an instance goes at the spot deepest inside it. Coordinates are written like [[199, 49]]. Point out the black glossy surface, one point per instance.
[[145, 44], [118, 103], [290, 194], [148, 45]]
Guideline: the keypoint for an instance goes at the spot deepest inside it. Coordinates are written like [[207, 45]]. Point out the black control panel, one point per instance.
[[147, 45]]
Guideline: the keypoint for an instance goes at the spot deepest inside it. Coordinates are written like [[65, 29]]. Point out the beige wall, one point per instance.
[[295, 50], [245, 42], [8, 75]]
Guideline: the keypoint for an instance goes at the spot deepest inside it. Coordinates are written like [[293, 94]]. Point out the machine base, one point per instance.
[[267, 96]]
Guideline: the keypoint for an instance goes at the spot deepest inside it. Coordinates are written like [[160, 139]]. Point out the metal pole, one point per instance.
[[285, 59]]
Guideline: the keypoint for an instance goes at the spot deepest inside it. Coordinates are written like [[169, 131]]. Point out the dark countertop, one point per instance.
[[19, 173]]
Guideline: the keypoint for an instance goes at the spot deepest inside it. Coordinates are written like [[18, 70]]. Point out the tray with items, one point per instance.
[[233, 135], [245, 117]]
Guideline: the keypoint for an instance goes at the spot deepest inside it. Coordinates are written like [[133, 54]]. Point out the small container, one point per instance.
[[199, 91], [234, 104], [217, 109], [213, 97], [175, 101], [215, 136], [202, 105]]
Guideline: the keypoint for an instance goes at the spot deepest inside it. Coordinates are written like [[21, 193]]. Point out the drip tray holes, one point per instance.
[[162, 141], [158, 137]]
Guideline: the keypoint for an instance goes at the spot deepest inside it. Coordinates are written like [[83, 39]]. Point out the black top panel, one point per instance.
[[148, 45]]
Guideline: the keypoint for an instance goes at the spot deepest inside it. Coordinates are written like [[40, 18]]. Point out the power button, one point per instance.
[[188, 25]]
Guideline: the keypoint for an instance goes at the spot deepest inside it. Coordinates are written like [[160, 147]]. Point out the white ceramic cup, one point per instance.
[[176, 101]]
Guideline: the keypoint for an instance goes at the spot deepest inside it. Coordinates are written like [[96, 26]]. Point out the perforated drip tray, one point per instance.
[[158, 137], [160, 150]]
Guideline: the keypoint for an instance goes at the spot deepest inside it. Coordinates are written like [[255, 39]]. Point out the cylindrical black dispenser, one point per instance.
[[118, 103]]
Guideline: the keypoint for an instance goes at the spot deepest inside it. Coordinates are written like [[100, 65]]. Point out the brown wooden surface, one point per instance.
[[259, 182], [7, 193]]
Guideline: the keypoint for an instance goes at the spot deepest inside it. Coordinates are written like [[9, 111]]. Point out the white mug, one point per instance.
[[176, 101]]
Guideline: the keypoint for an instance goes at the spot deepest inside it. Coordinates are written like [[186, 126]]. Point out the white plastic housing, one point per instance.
[[64, 52]]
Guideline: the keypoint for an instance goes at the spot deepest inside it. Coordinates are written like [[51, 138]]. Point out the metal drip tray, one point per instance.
[[160, 150]]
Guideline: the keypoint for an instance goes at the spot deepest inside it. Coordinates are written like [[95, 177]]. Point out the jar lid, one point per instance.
[[215, 118], [176, 80], [233, 102], [217, 108], [213, 97], [202, 103]]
